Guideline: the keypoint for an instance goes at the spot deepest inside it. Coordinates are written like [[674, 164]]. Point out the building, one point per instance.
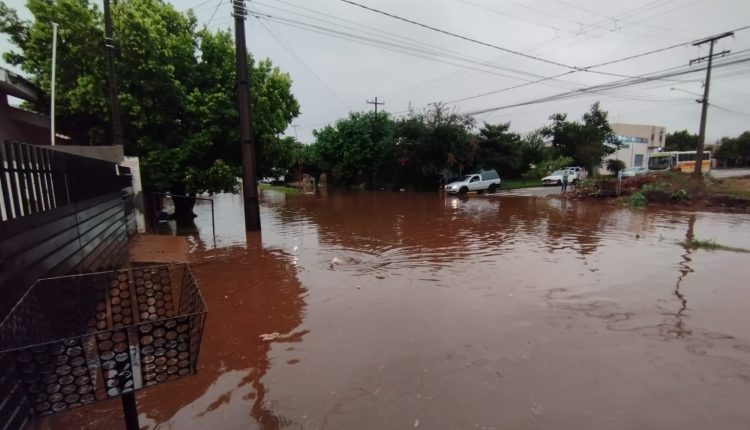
[[637, 142]]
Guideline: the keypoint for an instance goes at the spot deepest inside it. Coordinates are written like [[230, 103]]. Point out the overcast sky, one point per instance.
[[335, 73]]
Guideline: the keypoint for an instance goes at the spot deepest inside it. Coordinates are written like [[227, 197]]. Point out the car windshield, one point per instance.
[[557, 173]]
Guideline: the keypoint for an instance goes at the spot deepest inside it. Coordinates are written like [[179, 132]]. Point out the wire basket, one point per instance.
[[73, 340]]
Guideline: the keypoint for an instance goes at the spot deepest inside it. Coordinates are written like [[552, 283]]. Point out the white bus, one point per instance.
[[679, 161]]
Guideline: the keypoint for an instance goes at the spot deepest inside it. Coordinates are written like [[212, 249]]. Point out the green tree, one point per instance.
[[499, 149], [176, 89], [734, 151], [357, 147], [587, 142], [429, 144], [534, 151], [681, 141], [614, 166]]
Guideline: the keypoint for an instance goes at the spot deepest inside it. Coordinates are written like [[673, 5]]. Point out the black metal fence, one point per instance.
[[73, 340], [35, 179]]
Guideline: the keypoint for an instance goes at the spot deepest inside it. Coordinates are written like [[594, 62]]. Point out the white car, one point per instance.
[[556, 177], [487, 180], [634, 171]]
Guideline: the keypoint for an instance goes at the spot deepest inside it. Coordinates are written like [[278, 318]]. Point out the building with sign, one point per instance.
[[636, 143]]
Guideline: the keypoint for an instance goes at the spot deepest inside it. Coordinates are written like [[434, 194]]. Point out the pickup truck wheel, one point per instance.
[[463, 190], [492, 188]]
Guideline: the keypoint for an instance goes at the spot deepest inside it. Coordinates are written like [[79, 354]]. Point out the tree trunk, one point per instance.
[[183, 208]]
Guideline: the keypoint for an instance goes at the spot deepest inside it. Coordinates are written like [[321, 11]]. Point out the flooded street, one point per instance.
[[400, 310]]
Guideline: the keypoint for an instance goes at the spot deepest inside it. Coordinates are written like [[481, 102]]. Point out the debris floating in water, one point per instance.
[[269, 336]]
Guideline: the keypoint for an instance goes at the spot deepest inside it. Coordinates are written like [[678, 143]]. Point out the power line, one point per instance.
[[214, 14], [585, 68], [301, 62], [399, 39], [417, 52], [469, 39], [613, 85]]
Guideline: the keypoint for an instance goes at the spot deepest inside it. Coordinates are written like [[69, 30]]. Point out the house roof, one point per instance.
[[15, 85]]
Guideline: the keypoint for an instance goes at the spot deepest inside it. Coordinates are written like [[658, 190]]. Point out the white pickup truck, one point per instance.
[[487, 180]]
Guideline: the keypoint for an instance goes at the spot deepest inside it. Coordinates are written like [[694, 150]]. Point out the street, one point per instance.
[[729, 173]]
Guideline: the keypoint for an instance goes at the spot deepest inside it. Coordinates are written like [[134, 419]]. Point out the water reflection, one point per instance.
[[680, 330], [462, 313]]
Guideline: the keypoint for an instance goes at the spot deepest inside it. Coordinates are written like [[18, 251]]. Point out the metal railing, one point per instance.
[[74, 340], [35, 179]]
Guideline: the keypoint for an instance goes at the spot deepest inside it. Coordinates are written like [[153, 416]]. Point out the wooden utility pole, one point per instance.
[[249, 175], [376, 103], [377, 133], [704, 101], [114, 105]]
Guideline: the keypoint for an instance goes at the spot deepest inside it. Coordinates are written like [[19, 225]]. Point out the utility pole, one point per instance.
[[114, 105], [376, 103], [704, 101], [299, 155], [249, 174], [377, 133]]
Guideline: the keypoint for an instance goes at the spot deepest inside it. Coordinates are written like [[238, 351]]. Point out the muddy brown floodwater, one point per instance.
[[398, 311]]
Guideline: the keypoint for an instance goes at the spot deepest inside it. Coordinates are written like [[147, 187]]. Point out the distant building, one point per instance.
[[637, 142]]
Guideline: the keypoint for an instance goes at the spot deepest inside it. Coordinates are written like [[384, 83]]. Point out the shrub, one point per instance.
[[679, 195], [637, 199], [615, 166]]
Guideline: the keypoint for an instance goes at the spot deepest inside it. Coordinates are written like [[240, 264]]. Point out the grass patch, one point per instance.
[[280, 188], [735, 187], [512, 184], [710, 245]]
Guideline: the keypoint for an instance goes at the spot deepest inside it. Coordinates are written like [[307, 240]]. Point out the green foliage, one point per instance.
[[548, 166], [587, 142], [534, 151], [681, 141], [710, 245], [614, 166], [177, 88], [434, 142], [679, 195], [637, 199], [500, 150], [651, 187], [219, 178], [360, 144], [733, 148]]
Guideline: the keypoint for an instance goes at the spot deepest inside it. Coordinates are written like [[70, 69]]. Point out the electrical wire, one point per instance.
[[603, 87], [214, 13], [303, 64], [469, 39]]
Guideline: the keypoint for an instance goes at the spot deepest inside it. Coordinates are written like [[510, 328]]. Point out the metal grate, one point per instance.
[[73, 340]]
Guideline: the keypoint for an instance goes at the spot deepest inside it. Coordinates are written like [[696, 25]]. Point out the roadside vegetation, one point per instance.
[[710, 245], [280, 188], [671, 188]]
